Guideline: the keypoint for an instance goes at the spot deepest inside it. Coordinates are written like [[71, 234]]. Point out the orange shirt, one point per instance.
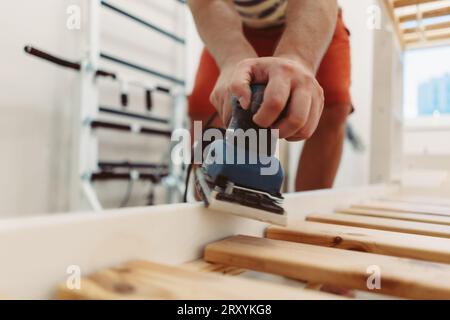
[[333, 74]]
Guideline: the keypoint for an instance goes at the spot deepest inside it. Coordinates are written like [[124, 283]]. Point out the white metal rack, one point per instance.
[[84, 152]]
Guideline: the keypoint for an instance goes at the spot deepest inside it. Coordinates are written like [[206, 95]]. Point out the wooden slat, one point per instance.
[[421, 228], [429, 27], [203, 266], [431, 39], [404, 207], [399, 276], [428, 218], [437, 26], [366, 240], [438, 36], [422, 200], [405, 3], [146, 280], [426, 14]]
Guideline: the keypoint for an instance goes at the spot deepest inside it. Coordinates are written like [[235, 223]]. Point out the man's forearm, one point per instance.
[[220, 28], [310, 25]]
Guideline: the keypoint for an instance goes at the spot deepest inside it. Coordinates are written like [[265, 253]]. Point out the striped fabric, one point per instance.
[[261, 13]]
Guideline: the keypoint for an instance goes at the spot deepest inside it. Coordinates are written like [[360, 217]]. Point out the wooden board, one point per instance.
[[428, 218], [203, 266], [423, 200], [421, 228], [399, 276], [365, 240], [147, 280], [404, 207]]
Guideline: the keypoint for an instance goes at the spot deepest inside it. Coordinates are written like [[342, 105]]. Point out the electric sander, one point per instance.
[[240, 174]]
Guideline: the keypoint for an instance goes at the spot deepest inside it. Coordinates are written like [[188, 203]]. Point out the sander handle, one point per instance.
[[241, 118]]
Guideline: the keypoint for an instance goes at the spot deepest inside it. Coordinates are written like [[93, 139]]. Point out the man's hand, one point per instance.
[[291, 84]]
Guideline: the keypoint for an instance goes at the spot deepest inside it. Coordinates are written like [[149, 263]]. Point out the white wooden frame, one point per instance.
[[84, 154]]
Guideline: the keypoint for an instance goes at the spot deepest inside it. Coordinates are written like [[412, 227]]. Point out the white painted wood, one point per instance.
[[36, 252], [427, 161], [424, 191], [387, 109]]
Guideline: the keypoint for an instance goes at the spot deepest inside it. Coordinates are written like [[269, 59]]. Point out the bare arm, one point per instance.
[[289, 75], [220, 28], [310, 25]]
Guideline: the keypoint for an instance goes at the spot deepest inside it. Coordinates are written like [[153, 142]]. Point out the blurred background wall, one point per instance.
[[37, 98]]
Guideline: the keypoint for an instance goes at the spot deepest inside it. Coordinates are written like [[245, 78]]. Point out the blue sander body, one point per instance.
[[241, 174]]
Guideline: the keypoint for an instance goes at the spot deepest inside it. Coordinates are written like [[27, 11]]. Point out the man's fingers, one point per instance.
[[313, 120], [213, 99], [297, 114], [240, 85], [226, 114], [276, 96]]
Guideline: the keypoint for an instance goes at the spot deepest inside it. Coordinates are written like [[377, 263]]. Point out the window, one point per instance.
[[427, 82]]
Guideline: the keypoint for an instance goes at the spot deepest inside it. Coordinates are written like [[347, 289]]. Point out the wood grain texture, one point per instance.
[[147, 280], [404, 207], [420, 228], [399, 276], [365, 240], [203, 266], [428, 218]]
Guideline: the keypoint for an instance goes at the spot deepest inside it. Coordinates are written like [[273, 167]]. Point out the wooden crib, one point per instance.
[[377, 242]]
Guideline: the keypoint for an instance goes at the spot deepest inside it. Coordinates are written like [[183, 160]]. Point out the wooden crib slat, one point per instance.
[[421, 228], [424, 200], [404, 207], [203, 266], [366, 240], [147, 280], [399, 276], [428, 218]]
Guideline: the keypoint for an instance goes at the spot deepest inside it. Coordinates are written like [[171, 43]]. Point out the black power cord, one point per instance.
[[127, 197], [205, 127]]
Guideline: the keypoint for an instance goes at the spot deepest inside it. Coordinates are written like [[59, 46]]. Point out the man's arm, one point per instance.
[[290, 74], [310, 25], [220, 28]]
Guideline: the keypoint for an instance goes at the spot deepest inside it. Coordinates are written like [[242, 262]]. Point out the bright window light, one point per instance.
[[427, 82]]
